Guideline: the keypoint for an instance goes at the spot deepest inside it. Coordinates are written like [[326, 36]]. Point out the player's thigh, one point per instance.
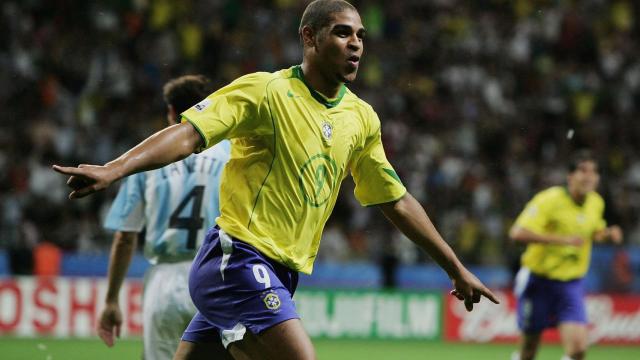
[[167, 310], [285, 341], [201, 351], [162, 329], [573, 336], [572, 317]]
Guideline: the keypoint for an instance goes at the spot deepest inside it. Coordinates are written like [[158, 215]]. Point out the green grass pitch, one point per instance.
[[93, 349]]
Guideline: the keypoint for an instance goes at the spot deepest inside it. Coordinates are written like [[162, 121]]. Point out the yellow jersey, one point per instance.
[[553, 211], [290, 150]]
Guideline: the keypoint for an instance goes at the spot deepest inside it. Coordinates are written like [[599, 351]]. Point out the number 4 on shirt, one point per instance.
[[194, 222]]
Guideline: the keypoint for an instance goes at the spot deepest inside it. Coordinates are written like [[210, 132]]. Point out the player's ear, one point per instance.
[[171, 115], [308, 36]]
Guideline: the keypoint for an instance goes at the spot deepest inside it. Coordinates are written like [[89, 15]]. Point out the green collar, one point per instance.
[[328, 103], [566, 189]]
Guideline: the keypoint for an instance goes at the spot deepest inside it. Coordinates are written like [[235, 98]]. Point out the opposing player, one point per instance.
[[176, 205], [559, 225], [296, 133]]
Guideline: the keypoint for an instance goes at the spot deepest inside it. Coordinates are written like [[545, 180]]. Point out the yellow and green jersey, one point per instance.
[[291, 149], [553, 211]]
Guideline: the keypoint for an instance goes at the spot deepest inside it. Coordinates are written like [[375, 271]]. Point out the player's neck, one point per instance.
[[327, 87], [577, 196]]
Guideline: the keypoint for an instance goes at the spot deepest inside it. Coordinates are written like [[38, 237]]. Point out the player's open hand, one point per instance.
[[468, 288], [85, 179], [110, 324], [614, 233]]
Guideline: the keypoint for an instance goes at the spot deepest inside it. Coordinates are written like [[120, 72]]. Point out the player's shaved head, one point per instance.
[[319, 13], [183, 92]]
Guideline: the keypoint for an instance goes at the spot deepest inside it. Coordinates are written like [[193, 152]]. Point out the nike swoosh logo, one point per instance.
[[292, 95]]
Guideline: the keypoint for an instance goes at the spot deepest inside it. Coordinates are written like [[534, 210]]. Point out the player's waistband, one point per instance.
[[544, 277]]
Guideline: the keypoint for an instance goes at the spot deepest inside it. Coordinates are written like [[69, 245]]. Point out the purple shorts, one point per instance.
[[235, 288], [544, 303]]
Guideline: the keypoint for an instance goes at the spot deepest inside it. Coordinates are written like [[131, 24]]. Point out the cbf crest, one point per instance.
[[272, 301], [327, 131]]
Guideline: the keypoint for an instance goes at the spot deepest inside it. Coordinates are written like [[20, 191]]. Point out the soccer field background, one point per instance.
[[56, 349]]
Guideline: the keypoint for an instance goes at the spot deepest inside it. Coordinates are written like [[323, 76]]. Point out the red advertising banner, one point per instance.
[[613, 319], [63, 307], [69, 307]]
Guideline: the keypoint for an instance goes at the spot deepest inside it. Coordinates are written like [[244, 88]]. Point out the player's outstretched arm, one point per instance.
[[612, 233], [162, 148], [122, 249], [521, 235], [410, 218]]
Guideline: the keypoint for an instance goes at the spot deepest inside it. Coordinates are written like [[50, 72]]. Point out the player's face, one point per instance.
[[340, 46], [584, 178]]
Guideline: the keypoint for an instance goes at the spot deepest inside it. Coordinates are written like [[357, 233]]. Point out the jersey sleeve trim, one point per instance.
[[393, 174], [388, 201], [204, 138]]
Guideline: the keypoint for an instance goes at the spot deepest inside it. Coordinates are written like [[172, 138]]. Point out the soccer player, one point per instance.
[[176, 204], [559, 225], [296, 134]]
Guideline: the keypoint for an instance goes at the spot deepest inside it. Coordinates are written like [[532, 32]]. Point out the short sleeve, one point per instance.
[[535, 216], [231, 112], [127, 211], [376, 180]]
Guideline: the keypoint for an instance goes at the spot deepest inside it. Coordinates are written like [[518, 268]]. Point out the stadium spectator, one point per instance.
[[621, 277], [47, 259]]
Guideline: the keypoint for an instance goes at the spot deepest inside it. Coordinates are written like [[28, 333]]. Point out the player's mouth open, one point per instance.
[[353, 60]]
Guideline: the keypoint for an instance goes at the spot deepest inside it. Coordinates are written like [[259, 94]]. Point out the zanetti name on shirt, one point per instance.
[[202, 164]]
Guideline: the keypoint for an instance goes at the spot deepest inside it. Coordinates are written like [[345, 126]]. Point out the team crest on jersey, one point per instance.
[[327, 130], [272, 301]]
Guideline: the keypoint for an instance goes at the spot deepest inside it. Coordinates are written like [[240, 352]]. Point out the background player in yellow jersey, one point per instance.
[[559, 225], [295, 133]]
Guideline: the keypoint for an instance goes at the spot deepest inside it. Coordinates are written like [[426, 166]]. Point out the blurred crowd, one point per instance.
[[481, 104]]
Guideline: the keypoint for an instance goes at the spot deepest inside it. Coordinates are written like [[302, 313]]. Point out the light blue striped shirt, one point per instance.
[[176, 204]]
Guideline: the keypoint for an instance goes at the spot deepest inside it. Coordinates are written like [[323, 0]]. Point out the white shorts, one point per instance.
[[167, 309]]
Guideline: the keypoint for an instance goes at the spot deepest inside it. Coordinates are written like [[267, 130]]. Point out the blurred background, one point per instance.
[[481, 103]]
